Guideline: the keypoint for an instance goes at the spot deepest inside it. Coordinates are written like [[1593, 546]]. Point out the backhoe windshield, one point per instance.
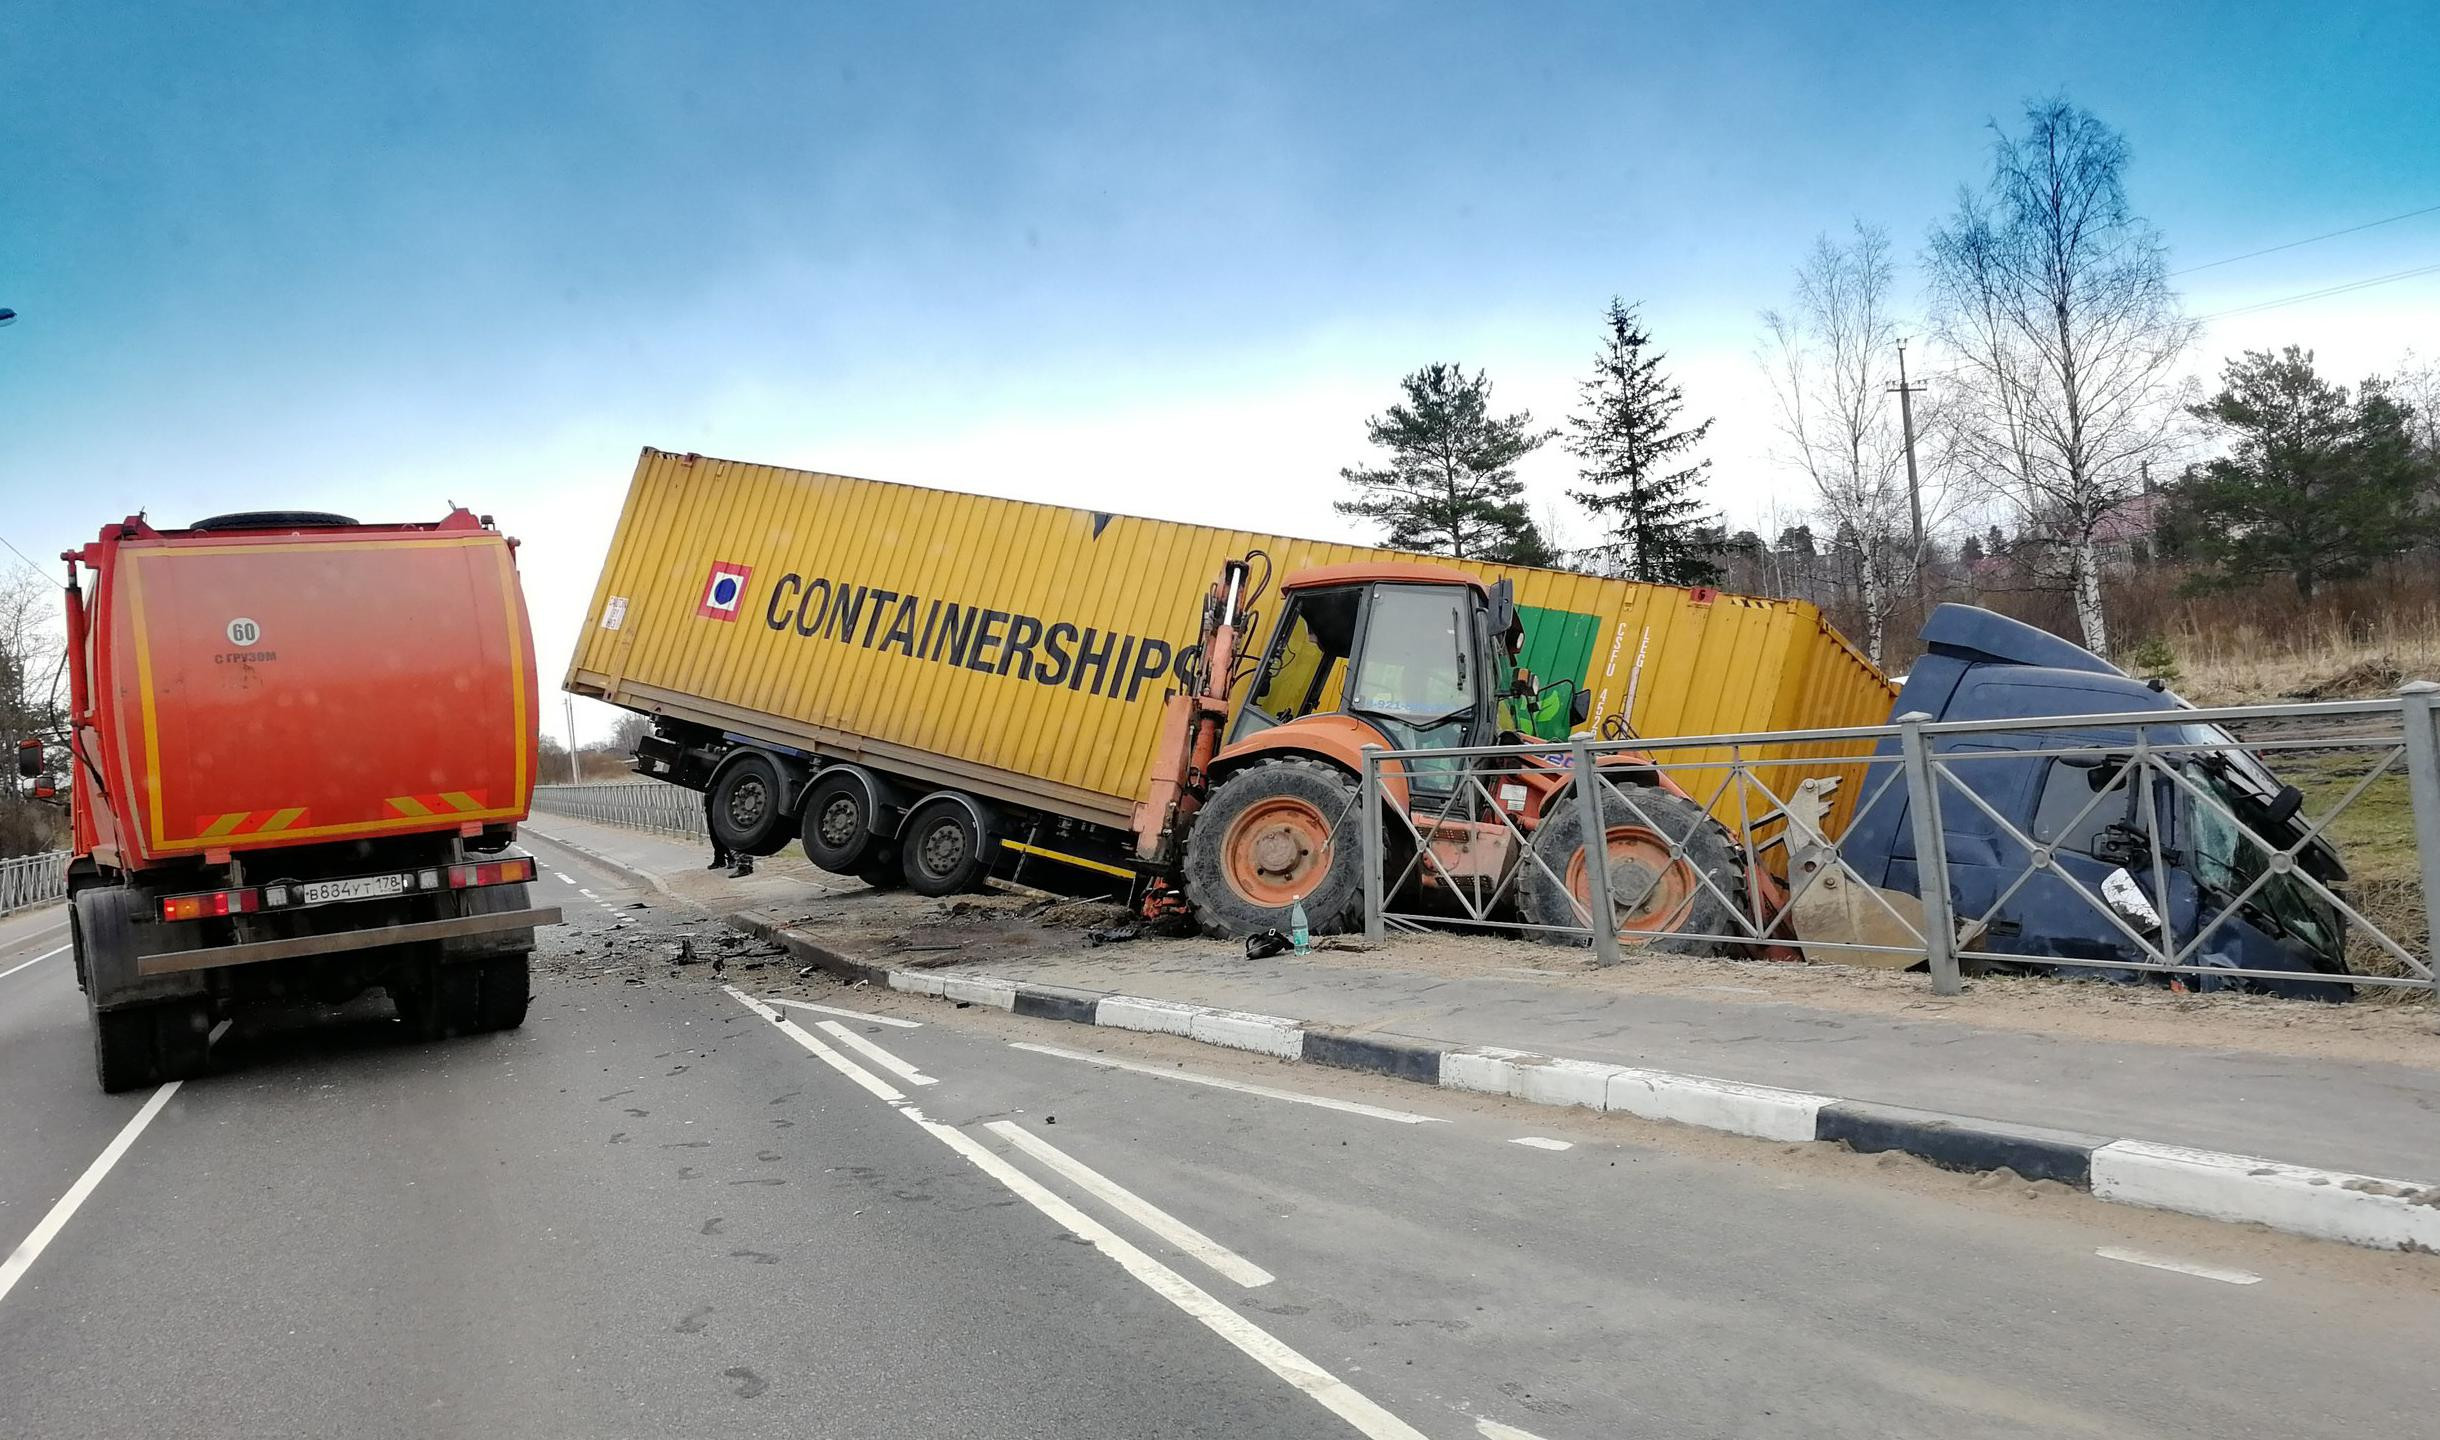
[[1418, 672]]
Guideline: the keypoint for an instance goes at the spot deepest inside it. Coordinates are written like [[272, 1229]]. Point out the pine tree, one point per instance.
[[1638, 487], [1450, 486], [2318, 485]]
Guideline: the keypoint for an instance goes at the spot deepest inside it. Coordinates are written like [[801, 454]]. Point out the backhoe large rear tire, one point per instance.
[[1273, 834], [1655, 874]]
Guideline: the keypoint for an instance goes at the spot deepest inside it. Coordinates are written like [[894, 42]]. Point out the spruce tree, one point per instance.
[[1450, 486], [1639, 484]]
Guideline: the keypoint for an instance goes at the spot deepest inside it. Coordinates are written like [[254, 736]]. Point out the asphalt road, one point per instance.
[[656, 1211]]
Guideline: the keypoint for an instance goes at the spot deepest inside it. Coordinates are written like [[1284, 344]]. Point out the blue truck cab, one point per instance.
[[1982, 666]]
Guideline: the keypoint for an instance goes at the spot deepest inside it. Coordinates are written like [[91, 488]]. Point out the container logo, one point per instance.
[[724, 591], [244, 632]]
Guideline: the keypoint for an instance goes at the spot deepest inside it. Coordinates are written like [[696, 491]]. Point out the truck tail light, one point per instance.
[[490, 872], [211, 903]]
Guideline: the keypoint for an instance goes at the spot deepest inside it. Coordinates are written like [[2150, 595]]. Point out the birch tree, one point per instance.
[[1831, 357], [2051, 300]]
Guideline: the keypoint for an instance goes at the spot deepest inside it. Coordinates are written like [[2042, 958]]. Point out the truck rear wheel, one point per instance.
[[503, 989], [1271, 835], [140, 1046], [746, 809], [838, 824], [1655, 879]]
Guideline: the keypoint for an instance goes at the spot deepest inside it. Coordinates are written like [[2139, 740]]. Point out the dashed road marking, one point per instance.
[[1266, 1349], [1135, 1207], [842, 1014], [874, 1053], [2163, 1262], [1352, 1107], [1493, 1430], [1543, 1142]]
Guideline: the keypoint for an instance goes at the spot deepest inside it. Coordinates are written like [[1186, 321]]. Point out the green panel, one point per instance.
[[1558, 646]]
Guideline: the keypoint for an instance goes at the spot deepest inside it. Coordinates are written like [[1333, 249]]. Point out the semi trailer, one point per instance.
[[929, 687], [299, 748]]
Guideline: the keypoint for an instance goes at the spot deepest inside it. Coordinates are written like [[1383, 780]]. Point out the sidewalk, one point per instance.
[[2377, 1117]]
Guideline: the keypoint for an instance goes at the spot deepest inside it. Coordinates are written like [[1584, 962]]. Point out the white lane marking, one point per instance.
[[875, 1053], [562, 879], [1135, 1207], [836, 1061], [589, 895], [2163, 1262], [1543, 1142], [1352, 1107], [45, 1231], [1332, 1393], [45, 955], [1493, 1430], [842, 1014]]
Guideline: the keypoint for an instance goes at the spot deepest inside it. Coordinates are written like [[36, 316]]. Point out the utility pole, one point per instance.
[[1914, 487], [570, 702]]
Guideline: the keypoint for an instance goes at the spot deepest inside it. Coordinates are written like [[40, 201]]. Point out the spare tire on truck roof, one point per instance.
[[272, 520]]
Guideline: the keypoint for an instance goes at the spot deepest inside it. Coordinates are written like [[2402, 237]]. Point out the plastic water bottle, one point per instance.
[[1300, 933]]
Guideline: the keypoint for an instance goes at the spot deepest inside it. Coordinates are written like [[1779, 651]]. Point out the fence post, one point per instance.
[[1931, 853], [1370, 828], [2416, 699], [1596, 852]]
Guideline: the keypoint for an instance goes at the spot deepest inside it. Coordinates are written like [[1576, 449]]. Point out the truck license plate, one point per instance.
[[363, 887]]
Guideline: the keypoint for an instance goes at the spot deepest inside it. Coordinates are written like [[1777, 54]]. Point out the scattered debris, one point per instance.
[[1111, 935], [1263, 944]]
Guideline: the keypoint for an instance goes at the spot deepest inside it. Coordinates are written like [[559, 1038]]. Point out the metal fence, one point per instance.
[[33, 880], [636, 804], [2288, 848]]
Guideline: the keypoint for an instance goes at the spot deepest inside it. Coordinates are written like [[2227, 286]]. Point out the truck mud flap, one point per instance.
[[296, 946]]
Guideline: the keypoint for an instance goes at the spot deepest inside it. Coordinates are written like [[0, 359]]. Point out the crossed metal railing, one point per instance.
[[2122, 844], [636, 804], [33, 880]]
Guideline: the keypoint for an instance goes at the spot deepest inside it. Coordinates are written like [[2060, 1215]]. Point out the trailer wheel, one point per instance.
[[746, 807], [882, 868], [1271, 835], [1655, 884], [942, 848], [838, 824]]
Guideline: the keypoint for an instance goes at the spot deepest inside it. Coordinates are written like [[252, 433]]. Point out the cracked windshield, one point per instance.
[[1380, 718]]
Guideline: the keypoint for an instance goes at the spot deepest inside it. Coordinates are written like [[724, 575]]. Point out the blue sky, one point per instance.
[[1156, 258]]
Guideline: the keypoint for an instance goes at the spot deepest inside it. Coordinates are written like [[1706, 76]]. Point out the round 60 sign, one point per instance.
[[243, 631]]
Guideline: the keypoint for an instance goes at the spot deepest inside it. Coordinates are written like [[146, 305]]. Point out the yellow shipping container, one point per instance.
[[1022, 651]]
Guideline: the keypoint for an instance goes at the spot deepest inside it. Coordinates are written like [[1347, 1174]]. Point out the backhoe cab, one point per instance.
[[1403, 656]]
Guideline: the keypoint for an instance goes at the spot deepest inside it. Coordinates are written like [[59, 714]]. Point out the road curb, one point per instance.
[[2326, 1204]]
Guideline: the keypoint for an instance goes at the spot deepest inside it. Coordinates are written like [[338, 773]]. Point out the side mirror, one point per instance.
[[1580, 709], [2285, 804], [1503, 608], [1525, 684], [29, 758]]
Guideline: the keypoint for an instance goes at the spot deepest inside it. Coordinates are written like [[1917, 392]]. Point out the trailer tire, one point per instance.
[[747, 813], [943, 848], [1273, 833], [1652, 891], [882, 867], [838, 824]]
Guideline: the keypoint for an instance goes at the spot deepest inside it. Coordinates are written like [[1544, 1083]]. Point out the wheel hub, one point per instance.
[[1274, 850], [747, 801], [838, 823], [942, 849]]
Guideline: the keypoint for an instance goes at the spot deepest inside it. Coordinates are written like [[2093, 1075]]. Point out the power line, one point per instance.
[[2351, 285], [20, 554], [2308, 240]]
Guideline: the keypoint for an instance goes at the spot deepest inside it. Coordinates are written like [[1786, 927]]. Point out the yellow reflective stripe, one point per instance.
[[1067, 859], [223, 825], [460, 800], [408, 805], [283, 819]]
